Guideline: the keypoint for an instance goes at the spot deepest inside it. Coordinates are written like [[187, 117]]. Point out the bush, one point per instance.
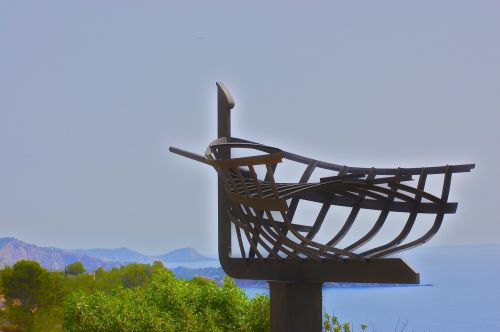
[[75, 268], [168, 304], [136, 297], [32, 295]]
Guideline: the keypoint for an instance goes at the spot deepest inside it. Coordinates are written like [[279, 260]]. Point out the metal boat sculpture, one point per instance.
[[273, 245]]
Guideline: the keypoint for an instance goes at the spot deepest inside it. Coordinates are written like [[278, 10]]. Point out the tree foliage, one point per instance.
[[168, 304], [28, 289], [136, 297], [134, 275], [27, 284], [75, 268]]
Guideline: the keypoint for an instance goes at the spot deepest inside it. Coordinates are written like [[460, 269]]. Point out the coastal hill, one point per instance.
[[12, 250], [183, 255], [115, 255], [125, 255]]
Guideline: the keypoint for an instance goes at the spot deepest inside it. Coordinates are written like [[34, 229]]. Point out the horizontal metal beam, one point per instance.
[[383, 270], [373, 204], [187, 154]]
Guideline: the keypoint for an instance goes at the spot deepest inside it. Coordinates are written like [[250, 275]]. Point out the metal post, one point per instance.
[[225, 103], [296, 306]]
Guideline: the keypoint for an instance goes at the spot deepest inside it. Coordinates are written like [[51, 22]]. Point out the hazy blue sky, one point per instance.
[[92, 93]]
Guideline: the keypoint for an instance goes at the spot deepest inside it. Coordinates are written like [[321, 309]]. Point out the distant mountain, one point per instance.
[[13, 250], [183, 255], [125, 255], [116, 255]]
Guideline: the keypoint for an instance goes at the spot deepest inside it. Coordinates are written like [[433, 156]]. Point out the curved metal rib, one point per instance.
[[317, 245], [432, 231], [303, 179], [295, 201], [240, 225], [324, 210], [319, 220], [352, 216], [378, 224], [378, 171], [410, 222]]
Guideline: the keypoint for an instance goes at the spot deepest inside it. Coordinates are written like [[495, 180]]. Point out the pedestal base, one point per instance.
[[296, 306]]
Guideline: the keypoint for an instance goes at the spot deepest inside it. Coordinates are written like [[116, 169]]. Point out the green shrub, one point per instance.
[[136, 297], [332, 324], [74, 269], [168, 304]]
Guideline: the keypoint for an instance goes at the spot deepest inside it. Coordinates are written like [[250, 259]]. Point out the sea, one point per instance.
[[459, 292]]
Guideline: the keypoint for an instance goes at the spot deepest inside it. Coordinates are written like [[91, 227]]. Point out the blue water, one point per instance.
[[465, 295], [194, 265]]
